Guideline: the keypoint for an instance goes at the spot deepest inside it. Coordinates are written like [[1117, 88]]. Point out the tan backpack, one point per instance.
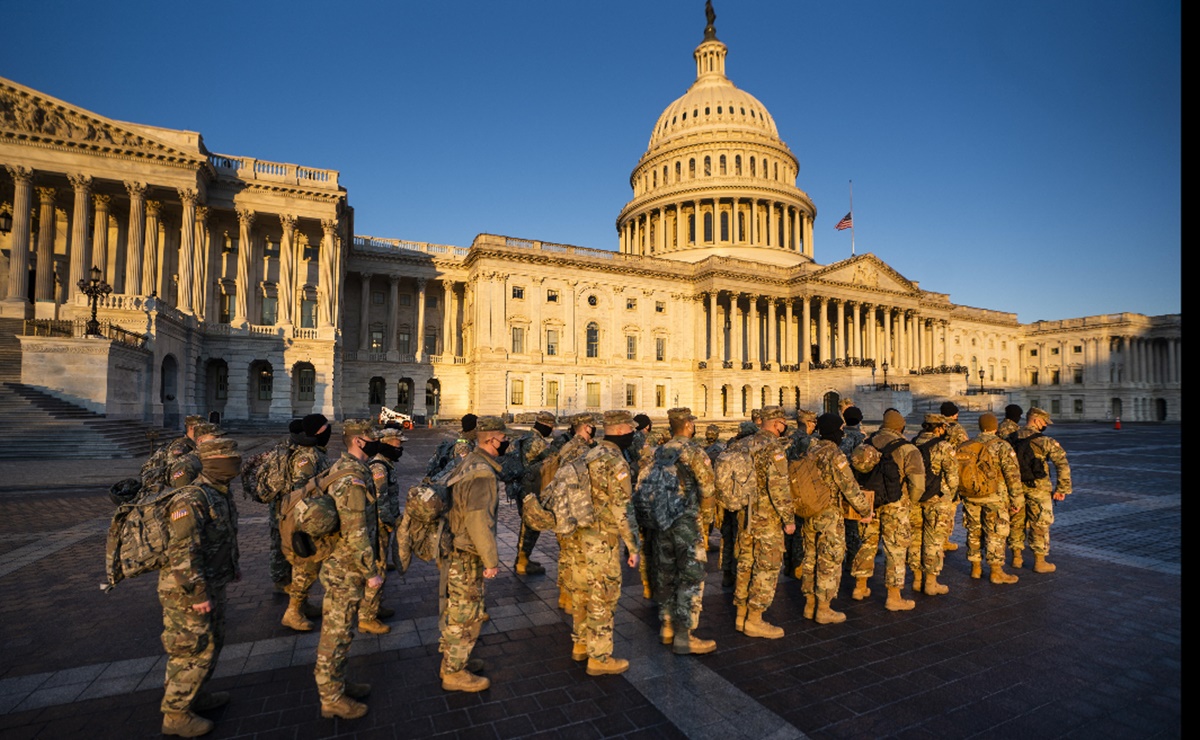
[[810, 493], [977, 477]]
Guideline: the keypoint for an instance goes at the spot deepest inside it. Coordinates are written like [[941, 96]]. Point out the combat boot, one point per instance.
[[666, 632], [950, 546], [564, 600], [977, 570], [310, 610], [647, 591], [185, 724], [206, 700], [860, 590], [373, 627], [527, 567], [917, 580], [606, 667], [356, 690], [1041, 565], [1001, 577], [826, 614], [474, 665], [343, 707], [1018, 559], [897, 603], [293, 618], [757, 627], [810, 606], [933, 588], [686, 643], [579, 652], [464, 680], [739, 622]]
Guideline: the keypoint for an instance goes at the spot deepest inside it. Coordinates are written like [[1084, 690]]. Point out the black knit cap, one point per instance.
[[1013, 412], [948, 408], [853, 415], [311, 424], [295, 426], [829, 424], [642, 421], [469, 421]]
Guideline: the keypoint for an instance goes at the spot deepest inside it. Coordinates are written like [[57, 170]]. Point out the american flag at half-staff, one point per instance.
[[846, 222]]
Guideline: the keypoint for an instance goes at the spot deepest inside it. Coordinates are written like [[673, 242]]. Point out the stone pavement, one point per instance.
[[1093, 650]]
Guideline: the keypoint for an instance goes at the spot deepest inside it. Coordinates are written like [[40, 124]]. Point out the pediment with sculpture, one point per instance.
[[865, 271]]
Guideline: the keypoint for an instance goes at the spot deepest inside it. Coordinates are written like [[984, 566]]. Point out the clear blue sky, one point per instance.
[[1022, 156]]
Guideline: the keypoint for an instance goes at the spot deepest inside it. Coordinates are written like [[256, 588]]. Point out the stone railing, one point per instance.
[[251, 169], [265, 330], [386, 246], [943, 370], [839, 362], [299, 333]]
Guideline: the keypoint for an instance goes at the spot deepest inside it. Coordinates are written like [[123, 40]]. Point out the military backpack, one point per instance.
[[933, 483], [884, 477], [139, 531], [1033, 468], [271, 473], [421, 528], [977, 476], [308, 517], [735, 477], [811, 495], [659, 500], [155, 471], [568, 496]]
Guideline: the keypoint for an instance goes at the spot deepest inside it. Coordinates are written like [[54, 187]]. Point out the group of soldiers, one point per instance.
[[911, 516]]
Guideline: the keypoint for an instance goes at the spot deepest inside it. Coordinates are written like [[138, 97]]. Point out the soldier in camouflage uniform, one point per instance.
[[956, 435], [793, 544], [929, 517], [852, 436], [532, 448], [307, 461], [730, 520], [154, 471], [713, 448], [383, 507], [763, 524], [452, 450], [679, 551], [1012, 421], [641, 449], [473, 556], [184, 468], [350, 567], [583, 427], [633, 455], [824, 534], [202, 559], [891, 523], [1040, 497], [989, 516]]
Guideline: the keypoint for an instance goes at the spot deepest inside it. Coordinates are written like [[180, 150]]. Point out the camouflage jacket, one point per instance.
[[695, 473], [800, 441], [202, 553], [357, 538], [474, 500], [633, 454], [714, 451], [1004, 459], [386, 489], [835, 472], [942, 461], [612, 494], [529, 451], [853, 438], [1048, 449], [305, 463], [184, 469], [908, 458], [956, 434], [577, 446], [771, 470], [1007, 427], [450, 451]]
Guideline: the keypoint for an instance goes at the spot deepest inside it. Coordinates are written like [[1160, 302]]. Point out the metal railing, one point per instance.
[[77, 329]]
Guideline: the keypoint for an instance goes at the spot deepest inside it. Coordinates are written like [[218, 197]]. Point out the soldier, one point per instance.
[[307, 461], [852, 436], [763, 524], [1016, 530], [989, 515], [633, 455], [202, 559], [926, 549], [730, 520], [679, 551], [1040, 492], [1012, 421], [956, 435], [713, 448], [891, 522], [583, 427], [154, 471], [793, 553], [824, 538], [383, 509], [473, 557], [452, 450], [532, 449], [184, 468], [349, 568]]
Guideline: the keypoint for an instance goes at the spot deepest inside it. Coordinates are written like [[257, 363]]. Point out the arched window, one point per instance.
[[375, 391], [692, 228], [708, 227], [737, 164], [593, 340], [708, 166], [722, 161], [692, 168], [724, 226], [752, 169], [654, 179], [678, 169]]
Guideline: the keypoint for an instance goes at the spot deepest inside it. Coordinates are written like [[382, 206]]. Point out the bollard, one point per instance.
[[1117, 424]]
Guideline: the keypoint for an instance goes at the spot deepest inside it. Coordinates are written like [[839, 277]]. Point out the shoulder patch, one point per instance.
[[623, 475], [780, 456], [177, 474], [357, 481], [179, 514]]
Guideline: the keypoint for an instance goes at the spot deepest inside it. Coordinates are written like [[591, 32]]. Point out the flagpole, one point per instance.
[[851, 218]]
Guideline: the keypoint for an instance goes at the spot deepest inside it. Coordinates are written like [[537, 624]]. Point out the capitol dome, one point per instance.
[[716, 179]]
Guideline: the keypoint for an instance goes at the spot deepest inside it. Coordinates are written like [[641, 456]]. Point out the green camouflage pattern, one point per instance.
[[304, 464], [680, 551], [932, 520], [891, 526], [760, 544], [987, 520], [824, 534], [460, 608], [1039, 498]]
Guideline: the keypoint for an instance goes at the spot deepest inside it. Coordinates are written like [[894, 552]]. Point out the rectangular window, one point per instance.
[[660, 396], [377, 297], [1033, 353], [518, 340], [630, 347], [405, 299], [1033, 380], [270, 248], [630, 395], [518, 292], [308, 314], [630, 304], [430, 342], [593, 395], [376, 340], [1078, 405], [306, 382], [1077, 349], [222, 389], [311, 252], [430, 301], [404, 342], [1055, 406], [1053, 351], [551, 296], [552, 394], [1054, 377], [1077, 376], [660, 349], [551, 342], [517, 397], [1034, 403], [266, 383], [267, 311], [1004, 373], [660, 307], [1004, 345], [226, 310]]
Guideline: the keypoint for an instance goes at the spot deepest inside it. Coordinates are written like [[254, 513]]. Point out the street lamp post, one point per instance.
[[94, 289], [885, 369], [981, 381]]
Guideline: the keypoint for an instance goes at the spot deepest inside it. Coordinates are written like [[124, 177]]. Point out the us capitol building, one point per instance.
[[239, 286]]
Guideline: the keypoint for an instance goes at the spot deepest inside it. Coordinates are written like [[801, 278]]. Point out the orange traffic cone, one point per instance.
[[1117, 425]]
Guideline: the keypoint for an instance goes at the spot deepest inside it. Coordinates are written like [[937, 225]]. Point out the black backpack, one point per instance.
[[933, 483], [1033, 468], [884, 479]]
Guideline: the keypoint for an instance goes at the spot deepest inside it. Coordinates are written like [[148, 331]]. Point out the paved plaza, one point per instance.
[[1091, 651]]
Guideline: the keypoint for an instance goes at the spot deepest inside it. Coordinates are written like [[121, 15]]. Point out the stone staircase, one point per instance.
[[10, 350], [40, 426]]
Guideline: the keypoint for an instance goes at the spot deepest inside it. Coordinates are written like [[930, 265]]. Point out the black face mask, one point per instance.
[[323, 437], [623, 441], [221, 470], [390, 452], [834, 435], [543, 429], [371, 449], [786, 431], [503, 448]]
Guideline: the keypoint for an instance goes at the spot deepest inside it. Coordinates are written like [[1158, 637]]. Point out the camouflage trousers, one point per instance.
[[568, 560], [280, 568], [948, 522], [339, 612], [646, 567], [824, 550], [892, 526], [988, 517], [793, 549], [304, 575], [528, 536], [926, 549], [853, 541], [598, 584], [193, 643], [368, 609], [1039, 515], [760, 553], [460, 608], [729, 535], [1016, 530], [679, 560]]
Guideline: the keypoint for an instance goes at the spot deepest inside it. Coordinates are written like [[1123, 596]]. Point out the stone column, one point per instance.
[[713, 341], [570, 331], [823, 328], [150, 253], [789, 335], [857, 348], [840, 346], [806, 332], [135, 242], [738, 355], [327, 272], [887, 337], [755, 329], [45, 245], [393, 309], [100, 204], [920, 339], [204, 259], [772, 349], [286, 289], [364, 313], [81, 248], [808, 245], [187, 249], [420, 348], [447, 317], [1172, 362], [18, 260], [946, 342], [772, 232], [241, 306]]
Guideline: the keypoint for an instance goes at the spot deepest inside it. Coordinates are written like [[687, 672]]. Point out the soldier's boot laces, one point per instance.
[[185, 724], [685, 643], [860, 590], [373, 627], [1018, 559], [343, 707], [756, 626], [207, 700], [933, 588], [739, 622], [310, 610], [827, 615], [897, 603], [917, 575], [356, 690], [1041, 565], [293, 618], [810, 606], [666, 632], [1001, 576], [464, 680], [977, 570], [607, 666]]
